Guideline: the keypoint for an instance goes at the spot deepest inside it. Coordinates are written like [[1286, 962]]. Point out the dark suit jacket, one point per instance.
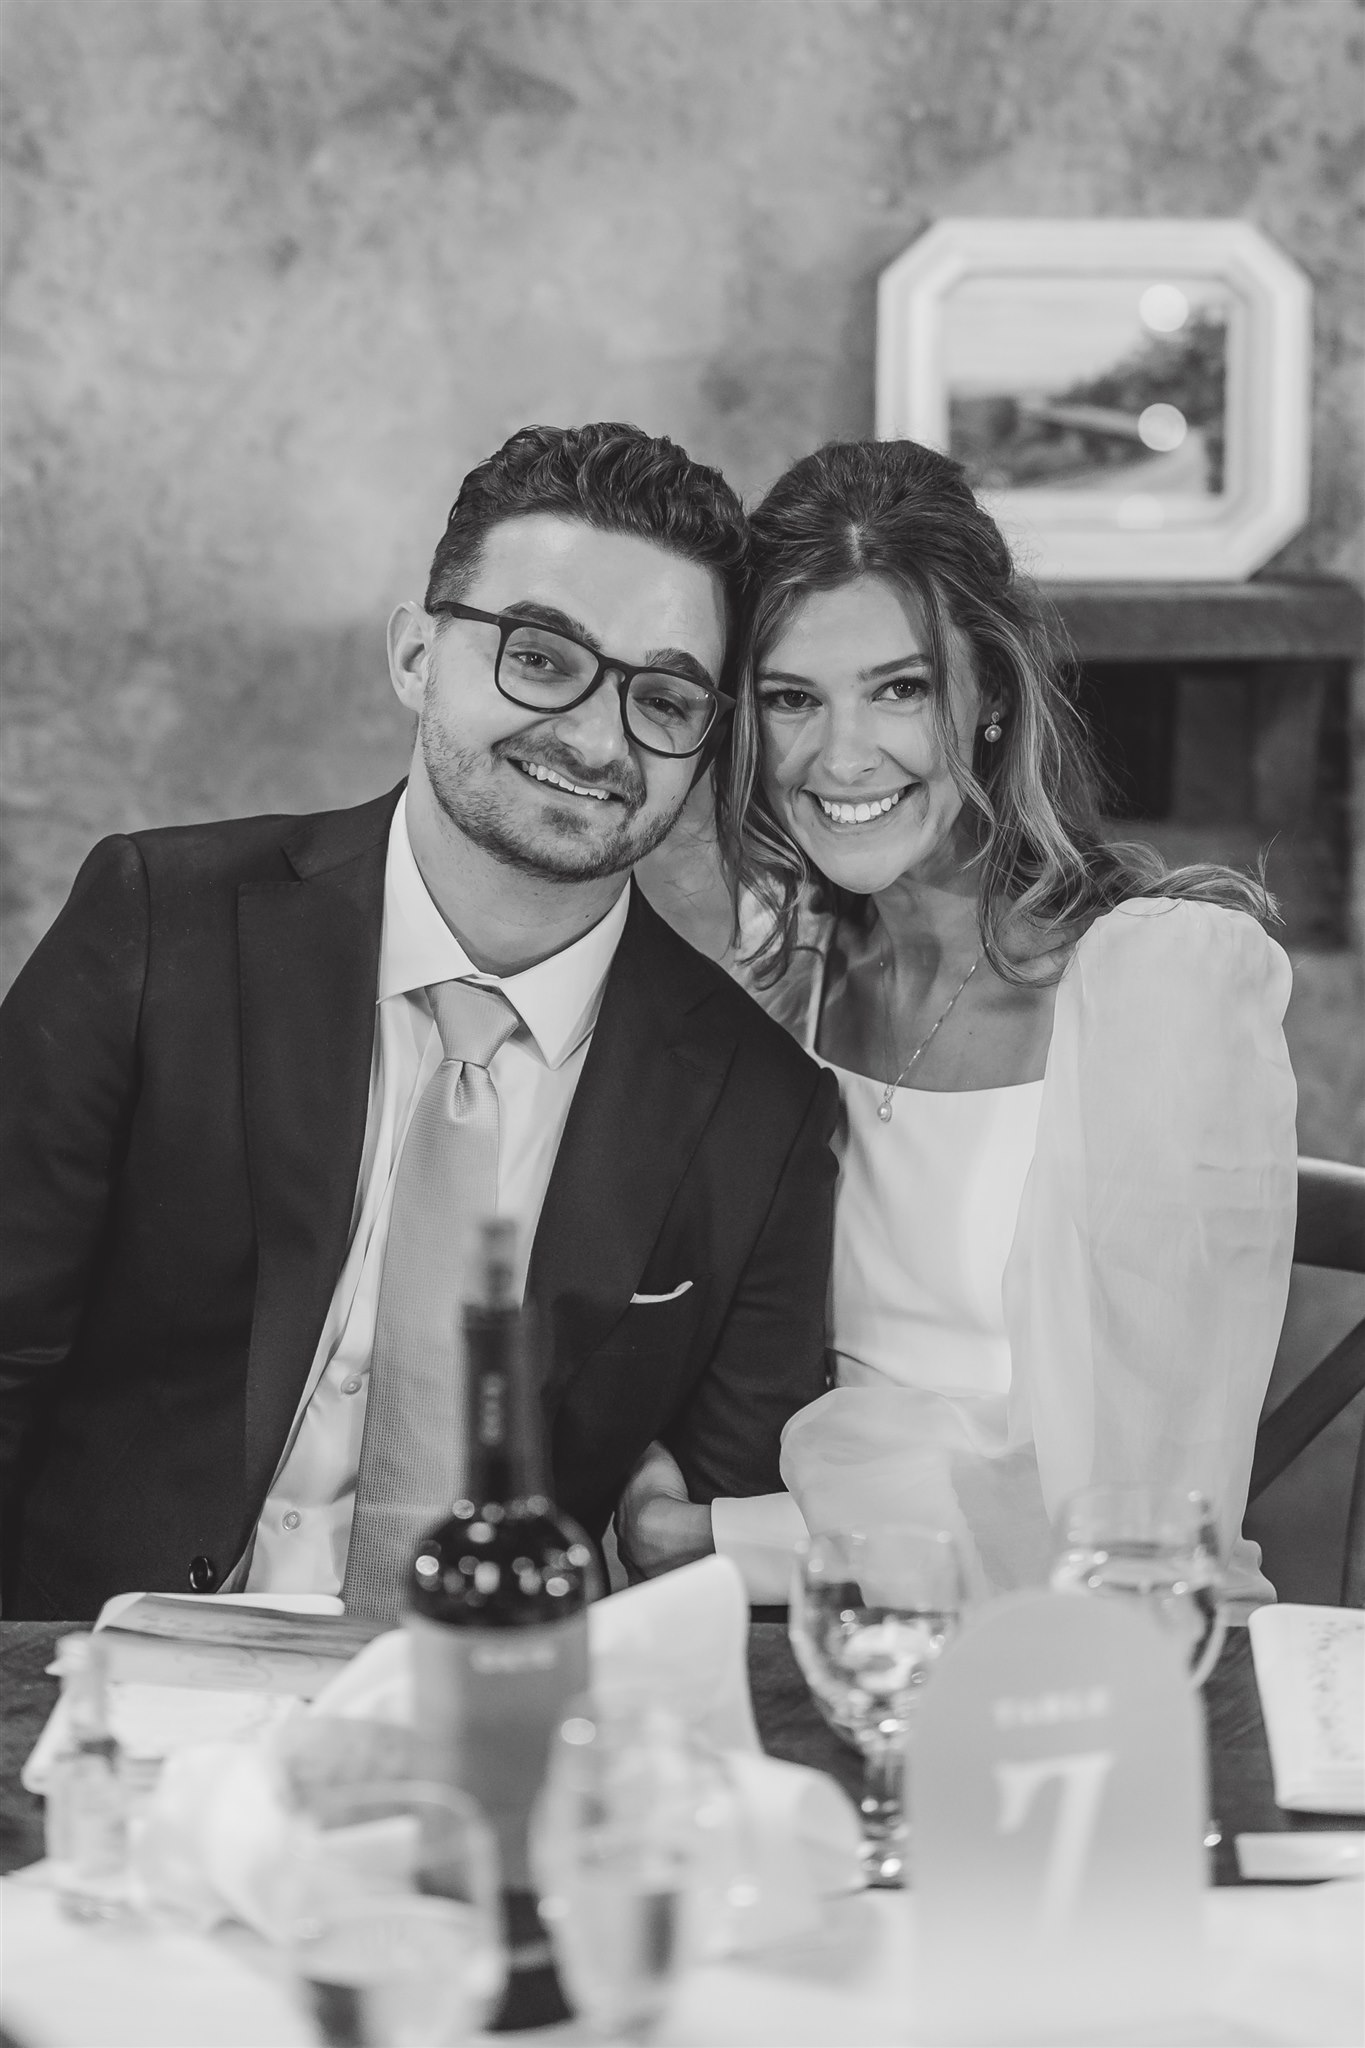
[[184, 1071]]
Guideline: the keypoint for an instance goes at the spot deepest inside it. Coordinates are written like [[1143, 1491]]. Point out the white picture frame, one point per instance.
[[1028, 347]]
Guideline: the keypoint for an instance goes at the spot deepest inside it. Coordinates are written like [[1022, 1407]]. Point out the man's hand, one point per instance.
[[657, 1526]]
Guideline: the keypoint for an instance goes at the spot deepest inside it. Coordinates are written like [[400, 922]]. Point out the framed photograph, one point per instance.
[[1131, 398]]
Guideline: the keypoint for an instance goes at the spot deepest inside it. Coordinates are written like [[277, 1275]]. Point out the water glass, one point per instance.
[[1155, 1544], [1158, 1545], [387, 1905], [617, 1846], [871, 1611]]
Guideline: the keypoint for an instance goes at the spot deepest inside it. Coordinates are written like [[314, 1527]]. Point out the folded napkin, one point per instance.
[[795, 1841], [1310, 1672], [217, 1827], [682, 1638]]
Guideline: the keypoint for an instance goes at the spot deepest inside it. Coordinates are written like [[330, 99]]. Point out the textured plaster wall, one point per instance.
[[277, 271]]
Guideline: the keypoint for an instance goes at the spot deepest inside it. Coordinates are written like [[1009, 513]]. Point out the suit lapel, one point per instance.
[[309, 966], [653, 1073]]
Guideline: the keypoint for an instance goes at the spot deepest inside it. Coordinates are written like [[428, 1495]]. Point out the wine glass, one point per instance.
[[871, 1611], [617, 1841], [1158, 1545], [386, 1901]]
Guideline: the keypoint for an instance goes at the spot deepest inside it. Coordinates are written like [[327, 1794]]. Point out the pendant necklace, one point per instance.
[[884, 1106]]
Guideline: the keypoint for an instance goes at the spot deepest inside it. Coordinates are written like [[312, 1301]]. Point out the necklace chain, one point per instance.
[[884, 1109]]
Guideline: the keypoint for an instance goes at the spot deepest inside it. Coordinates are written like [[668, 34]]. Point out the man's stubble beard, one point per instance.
[[459, 782]]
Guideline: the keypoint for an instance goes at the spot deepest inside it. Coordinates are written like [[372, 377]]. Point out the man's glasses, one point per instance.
[[543, 670]]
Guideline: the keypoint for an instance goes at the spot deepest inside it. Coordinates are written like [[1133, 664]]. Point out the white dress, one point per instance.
[[1071, 1282]]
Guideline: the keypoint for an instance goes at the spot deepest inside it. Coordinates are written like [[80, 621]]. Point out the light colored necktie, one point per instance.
[[447, 1184]]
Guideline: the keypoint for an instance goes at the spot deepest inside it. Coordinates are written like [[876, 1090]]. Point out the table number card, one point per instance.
[[1057, 1800]]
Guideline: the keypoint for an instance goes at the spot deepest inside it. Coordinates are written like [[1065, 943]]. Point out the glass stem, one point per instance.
[[883, 1784]]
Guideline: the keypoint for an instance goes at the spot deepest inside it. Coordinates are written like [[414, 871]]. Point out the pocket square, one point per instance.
[[649, 1300]]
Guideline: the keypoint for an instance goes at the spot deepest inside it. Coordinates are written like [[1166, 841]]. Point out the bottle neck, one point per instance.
[[82, 1665], [506, 1434]]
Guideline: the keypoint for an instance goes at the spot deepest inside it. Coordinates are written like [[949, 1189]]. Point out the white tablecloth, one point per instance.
[[1285, 1965]]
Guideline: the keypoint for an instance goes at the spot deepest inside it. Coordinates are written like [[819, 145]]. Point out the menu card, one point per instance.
[[208, 1668], [1310, 1669], [250, 1644]]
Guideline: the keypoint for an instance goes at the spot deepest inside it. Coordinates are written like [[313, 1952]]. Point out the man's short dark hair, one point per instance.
[[614, 477]]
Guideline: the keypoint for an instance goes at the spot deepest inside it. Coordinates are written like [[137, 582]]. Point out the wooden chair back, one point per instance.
[[1330, 1234]]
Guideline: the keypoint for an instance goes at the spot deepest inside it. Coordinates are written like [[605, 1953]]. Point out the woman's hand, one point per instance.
[[657, 1526]]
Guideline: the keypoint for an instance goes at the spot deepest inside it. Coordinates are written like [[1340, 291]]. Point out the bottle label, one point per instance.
[[486, 1704]]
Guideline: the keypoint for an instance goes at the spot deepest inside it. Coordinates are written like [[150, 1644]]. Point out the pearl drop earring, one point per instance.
[[994, 729]]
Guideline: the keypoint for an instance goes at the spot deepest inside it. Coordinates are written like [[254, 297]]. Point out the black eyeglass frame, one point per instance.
[[624, 671]]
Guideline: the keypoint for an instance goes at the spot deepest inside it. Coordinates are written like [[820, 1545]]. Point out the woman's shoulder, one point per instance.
[[1152, 948], [1150, 927]]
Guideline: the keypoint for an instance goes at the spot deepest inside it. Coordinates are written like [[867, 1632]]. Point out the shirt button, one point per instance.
[[351, 1386], [292, 1519]]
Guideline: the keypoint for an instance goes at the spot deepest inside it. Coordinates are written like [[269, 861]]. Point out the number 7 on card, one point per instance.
[[1056, 1780]]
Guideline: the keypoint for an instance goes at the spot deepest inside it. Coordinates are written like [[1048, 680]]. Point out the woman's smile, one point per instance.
[[850, 813]]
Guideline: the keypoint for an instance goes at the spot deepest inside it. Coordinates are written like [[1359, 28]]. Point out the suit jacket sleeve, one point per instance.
[[770, 1357], [68, 1080]]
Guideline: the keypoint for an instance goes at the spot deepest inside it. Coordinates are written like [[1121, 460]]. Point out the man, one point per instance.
[[262, 1077]]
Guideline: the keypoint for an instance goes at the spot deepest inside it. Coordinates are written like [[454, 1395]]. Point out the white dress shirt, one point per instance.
[[305, 1525]]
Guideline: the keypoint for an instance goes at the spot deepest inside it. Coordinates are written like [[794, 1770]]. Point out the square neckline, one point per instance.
[[901, 1087]]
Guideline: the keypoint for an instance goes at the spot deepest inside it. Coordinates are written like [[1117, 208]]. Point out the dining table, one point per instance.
[[1242, 1793], [785, 2005]]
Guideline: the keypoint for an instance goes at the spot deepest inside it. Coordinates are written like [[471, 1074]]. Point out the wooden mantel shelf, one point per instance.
[[1307, 619], [1222, 713]]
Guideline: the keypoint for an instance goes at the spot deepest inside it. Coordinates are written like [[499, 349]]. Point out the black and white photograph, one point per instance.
[[682, 1023]]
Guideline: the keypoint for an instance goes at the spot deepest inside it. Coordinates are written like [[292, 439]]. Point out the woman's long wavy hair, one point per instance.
[[897, 510]]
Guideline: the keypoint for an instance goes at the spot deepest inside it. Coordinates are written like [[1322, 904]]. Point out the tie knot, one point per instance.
[[473, 1021]]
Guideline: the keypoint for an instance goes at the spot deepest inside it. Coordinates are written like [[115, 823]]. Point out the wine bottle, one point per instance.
[[498, 1615]]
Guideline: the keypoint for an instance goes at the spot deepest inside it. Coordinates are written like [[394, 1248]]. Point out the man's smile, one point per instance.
[[538, 772]]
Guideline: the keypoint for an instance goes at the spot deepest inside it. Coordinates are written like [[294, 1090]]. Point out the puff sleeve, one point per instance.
[[1146, 1285]]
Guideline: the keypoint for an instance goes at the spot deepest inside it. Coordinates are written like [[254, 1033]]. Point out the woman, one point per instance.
[[1066, 1207]]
